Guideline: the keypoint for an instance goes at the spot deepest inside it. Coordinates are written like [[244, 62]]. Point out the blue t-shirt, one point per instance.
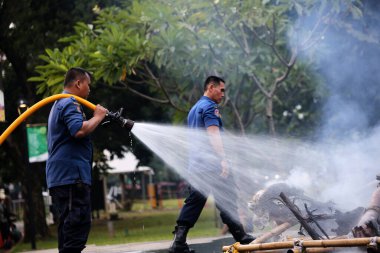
[[70, 158], [203, 114]]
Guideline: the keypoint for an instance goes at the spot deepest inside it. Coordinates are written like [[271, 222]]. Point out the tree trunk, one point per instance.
[[32, 188], [269, 114], [123, 189], [34, 208]]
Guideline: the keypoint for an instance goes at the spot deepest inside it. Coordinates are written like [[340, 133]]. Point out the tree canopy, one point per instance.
[[169, 47]]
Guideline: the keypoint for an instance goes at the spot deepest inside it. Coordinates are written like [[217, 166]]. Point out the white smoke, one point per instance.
[[347, 59]]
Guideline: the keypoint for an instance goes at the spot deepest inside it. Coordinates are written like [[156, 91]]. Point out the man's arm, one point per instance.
[[216, 140], [217, 144], [90, 125]]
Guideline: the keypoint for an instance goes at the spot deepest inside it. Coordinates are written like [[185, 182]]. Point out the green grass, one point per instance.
[[142, 224]]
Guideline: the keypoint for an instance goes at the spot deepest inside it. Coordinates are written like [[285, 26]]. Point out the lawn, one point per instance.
[[142, 224]]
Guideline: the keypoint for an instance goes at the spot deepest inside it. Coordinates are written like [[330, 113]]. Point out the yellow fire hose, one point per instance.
[[37, 106], [114, 116]]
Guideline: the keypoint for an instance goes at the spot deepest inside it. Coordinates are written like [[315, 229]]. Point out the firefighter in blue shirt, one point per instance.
[[205, 115], [68, 168]]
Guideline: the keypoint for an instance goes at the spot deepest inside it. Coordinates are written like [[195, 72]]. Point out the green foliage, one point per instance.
[[170, 46]]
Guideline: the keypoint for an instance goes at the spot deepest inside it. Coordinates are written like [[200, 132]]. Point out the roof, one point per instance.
[[127, 164]]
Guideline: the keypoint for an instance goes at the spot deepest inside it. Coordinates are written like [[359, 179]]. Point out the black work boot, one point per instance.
[[179, 244], [239, 234]]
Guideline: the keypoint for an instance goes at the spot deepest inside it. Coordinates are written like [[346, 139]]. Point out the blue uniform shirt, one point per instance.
[[203, 114], [70, 158]]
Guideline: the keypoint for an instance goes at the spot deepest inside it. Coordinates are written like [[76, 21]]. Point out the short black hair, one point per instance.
[[212, 80], [74, 74]]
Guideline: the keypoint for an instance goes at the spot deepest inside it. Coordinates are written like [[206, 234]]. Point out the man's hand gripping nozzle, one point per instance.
[[117, 117]]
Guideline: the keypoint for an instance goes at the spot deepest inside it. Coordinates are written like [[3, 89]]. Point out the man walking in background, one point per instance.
[[209, 160], [68, 168]]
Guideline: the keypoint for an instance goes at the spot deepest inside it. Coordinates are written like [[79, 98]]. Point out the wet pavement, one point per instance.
[[200, 245]]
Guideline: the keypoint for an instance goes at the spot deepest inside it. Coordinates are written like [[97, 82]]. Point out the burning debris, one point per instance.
[[323, 228], [285, 207]]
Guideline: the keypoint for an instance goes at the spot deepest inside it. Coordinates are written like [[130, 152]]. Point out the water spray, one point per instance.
[[111, 116]]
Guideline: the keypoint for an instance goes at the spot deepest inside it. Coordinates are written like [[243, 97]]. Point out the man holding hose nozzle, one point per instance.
[[210, 158], [68, 168]]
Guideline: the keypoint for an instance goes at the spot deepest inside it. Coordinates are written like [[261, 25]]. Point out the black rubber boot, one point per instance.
[[179, 244], [239, 234]]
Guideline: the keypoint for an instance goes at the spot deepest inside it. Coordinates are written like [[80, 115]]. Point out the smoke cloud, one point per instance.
[[347, 58]]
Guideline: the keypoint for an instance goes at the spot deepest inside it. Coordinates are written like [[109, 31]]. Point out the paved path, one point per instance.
[[201, 245]]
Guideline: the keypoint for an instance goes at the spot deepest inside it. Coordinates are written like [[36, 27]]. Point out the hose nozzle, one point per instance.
[[117, 117]]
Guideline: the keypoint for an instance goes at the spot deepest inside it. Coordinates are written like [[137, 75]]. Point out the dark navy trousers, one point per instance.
[[73, 203], [224, 191]]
